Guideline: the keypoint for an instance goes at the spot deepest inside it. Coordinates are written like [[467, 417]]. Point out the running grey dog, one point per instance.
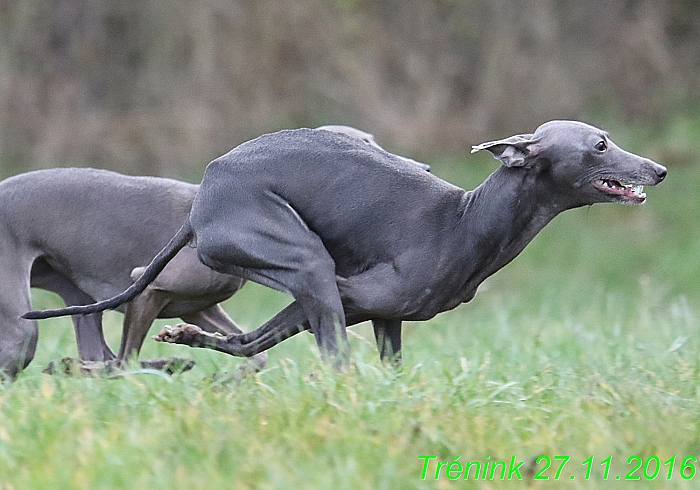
[[354, 234]]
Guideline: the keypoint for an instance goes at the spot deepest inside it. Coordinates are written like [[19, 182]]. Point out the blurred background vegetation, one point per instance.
[[161, 88], [586, 345]]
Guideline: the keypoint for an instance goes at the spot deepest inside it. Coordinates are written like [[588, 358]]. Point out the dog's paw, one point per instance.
[[253, 365], [249, 368], [257, 362], [187, 334], [179, 334], [70, 366], [170, 365]]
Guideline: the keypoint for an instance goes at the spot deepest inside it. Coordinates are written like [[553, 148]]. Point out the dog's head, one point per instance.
[[580, 161]]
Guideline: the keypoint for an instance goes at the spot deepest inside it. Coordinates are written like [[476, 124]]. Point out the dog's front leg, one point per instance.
[[332, 339], [388, 336]]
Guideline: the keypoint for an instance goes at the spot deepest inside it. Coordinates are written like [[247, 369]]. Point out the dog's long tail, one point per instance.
[[181, 238]]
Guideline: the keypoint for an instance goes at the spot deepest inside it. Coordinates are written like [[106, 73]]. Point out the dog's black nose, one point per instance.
[[660, 171]]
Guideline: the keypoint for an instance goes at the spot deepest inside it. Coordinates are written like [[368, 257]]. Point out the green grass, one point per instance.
[[586, 345]]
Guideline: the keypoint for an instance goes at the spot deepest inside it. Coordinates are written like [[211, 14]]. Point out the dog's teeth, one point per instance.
[[638, 190]]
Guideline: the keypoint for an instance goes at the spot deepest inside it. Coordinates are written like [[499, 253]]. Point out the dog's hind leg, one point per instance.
[[215, 319], [89, 335], [138, 318], [266, 241], [285, 324], [88, 328]]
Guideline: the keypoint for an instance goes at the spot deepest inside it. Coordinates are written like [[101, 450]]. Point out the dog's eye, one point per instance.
[[601, 146]]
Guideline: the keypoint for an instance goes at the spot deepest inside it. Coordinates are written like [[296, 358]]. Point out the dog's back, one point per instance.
[[325, 175], [73, 218]]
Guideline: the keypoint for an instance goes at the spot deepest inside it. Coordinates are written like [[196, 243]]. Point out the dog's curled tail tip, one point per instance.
[[38, 315], [72, 310]]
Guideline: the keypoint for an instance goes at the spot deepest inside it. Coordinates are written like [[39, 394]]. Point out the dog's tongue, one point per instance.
[[633, 191]]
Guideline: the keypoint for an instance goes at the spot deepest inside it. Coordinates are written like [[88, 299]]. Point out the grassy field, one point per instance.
[[586, 346]]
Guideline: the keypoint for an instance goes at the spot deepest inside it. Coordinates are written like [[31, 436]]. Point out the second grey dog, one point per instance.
[[58, 230], [354, 234]]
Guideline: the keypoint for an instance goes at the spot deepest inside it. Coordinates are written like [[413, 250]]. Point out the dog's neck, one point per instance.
[[499, 218], [519, 203]]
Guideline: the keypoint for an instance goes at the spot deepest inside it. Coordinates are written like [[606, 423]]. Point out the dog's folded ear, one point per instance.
[[516, 151]]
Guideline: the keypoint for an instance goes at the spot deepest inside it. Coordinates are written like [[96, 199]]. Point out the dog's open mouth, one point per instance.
[[634, 193]]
